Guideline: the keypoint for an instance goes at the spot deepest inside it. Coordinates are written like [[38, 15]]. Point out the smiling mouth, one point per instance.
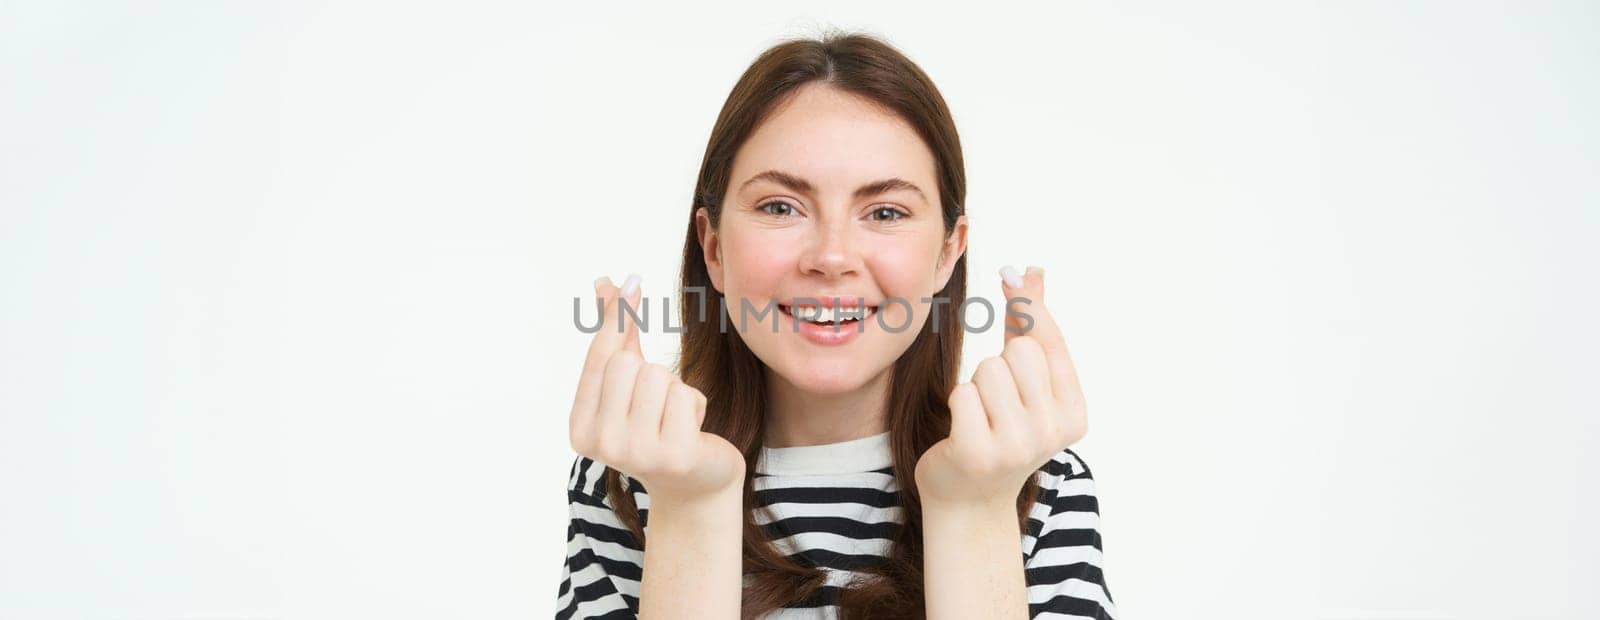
[[828, 316]]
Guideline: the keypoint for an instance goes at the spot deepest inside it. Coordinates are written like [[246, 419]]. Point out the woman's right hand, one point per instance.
[[642, 419]]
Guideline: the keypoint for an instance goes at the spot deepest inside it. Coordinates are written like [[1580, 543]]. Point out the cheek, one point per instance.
[[904, 269], [755, 264]]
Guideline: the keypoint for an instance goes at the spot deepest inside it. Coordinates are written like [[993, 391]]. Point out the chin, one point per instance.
[[826, 377]]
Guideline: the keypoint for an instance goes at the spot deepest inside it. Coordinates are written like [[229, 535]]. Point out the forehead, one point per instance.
[[836, 140]]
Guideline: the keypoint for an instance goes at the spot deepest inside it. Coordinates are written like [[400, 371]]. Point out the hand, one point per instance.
[[1017, 412], [641, 419]]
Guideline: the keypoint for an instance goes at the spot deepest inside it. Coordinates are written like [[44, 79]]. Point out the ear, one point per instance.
[[710, 246], [955, 245]]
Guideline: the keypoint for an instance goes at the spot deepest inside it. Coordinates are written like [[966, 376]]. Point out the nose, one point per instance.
[[830, 252]]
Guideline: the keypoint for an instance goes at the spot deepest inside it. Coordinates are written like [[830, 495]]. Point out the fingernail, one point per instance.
[[1009, 274], [1038, 270], [601, 280], [630, 285]]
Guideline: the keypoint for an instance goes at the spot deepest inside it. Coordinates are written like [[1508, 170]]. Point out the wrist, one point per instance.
[[714, 508], [970, 509]]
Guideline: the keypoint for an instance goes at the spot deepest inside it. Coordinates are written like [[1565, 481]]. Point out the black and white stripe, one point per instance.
[[840, 521]]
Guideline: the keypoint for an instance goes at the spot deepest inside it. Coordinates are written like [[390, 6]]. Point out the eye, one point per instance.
[[784, 209], [887, 214]]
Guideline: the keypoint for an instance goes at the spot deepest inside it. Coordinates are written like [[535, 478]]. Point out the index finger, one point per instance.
[[613, 334], [1063, 377]]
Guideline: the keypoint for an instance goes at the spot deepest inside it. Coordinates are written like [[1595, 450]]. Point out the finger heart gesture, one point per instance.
[[640, 418], [1019, 409]]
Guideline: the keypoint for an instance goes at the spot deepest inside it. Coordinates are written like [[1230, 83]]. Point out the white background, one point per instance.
[[285, 291]]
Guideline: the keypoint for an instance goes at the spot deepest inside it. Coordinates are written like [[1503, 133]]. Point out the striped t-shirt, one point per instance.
[[835, 506]]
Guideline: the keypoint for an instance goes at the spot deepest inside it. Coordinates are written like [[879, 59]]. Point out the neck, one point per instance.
[[796, 417]]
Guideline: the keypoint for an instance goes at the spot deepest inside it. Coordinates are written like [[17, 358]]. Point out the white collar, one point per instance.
[[843, 457]]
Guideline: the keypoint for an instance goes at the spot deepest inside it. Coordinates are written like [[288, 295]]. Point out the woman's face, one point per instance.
[[833, 199]]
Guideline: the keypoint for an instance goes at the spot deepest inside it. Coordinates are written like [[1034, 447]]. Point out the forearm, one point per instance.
[[972, 562], [692, 559]]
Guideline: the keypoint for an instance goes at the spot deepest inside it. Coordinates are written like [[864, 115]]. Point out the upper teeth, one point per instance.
[[825, 315]]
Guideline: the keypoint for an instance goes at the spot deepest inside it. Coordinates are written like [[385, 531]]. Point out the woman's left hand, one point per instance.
[[1019, 410]]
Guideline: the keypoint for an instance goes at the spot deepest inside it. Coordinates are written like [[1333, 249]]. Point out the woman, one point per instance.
[[818, 459]]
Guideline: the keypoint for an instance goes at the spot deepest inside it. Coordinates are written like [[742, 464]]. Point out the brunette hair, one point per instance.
[[721, 366]]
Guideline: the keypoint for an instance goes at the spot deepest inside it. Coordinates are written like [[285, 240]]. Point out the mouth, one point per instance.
[[829, 313]]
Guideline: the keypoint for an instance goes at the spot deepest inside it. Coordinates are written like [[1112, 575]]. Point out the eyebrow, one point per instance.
[[798, 184]]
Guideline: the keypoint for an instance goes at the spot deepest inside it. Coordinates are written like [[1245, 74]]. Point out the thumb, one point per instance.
[[630, 296]]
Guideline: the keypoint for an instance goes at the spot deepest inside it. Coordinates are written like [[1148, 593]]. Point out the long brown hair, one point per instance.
[[720, 365]]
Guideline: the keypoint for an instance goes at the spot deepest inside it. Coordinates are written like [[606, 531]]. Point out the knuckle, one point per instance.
[[683, 393], [992, 366], [690, 396], [653, 373], [1025, 345], [624, 361], [960, 394], [992, 372]]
